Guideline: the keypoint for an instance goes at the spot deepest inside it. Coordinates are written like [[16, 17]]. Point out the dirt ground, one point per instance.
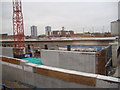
[[15, 85]]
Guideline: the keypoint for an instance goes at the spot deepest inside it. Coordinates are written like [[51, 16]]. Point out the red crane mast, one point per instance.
[[18, 26]]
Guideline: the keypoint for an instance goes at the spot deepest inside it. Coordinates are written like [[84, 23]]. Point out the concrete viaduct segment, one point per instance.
[[81, 41]]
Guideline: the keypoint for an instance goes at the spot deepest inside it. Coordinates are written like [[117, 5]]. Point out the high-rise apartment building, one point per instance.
[[48, 30], [33, 30]]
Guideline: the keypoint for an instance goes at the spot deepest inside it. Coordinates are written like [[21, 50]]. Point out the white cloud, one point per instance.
[[71, 15], [64, 0]]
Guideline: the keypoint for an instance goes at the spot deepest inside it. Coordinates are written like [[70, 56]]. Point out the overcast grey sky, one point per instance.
[[72, 15]]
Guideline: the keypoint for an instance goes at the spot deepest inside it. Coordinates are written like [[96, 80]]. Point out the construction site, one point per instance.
[[79, 62]]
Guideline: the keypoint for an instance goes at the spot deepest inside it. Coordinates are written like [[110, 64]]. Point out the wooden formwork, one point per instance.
[[13, 61], [67, 77], [101, 59]]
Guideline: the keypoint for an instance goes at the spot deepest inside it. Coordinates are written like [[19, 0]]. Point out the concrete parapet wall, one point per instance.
[[42, 76], [6, 51], [50, 57], [80, 61]]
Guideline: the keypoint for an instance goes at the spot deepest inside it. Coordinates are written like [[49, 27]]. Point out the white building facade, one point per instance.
[[115, 28]]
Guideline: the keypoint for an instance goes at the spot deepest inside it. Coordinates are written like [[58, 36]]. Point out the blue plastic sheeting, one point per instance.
[[99, 48], [33, 60], [27, 55]]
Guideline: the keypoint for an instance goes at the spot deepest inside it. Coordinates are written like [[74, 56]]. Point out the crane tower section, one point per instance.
[[18, 26]]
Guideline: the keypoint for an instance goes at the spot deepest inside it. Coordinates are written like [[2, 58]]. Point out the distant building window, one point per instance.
[[67, 33], [59, 33]]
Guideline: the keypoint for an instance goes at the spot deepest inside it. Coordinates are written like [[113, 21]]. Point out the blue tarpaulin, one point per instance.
[[33, 60]]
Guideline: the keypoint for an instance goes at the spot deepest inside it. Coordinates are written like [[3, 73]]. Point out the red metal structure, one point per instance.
[[18, 26]]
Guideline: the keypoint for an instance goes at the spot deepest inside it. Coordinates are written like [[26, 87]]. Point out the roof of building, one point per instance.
[[116, 21]]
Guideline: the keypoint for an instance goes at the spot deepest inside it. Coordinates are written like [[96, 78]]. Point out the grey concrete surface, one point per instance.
[[20, 75], [40, 81], [7, 51], [106, 84], [78, 61], [50, 58], [114, 53]]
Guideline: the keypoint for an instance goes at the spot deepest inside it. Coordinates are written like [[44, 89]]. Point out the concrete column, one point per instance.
[[24, 50], [32, 50], [68, 47], [28, 48], [46, 47]]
